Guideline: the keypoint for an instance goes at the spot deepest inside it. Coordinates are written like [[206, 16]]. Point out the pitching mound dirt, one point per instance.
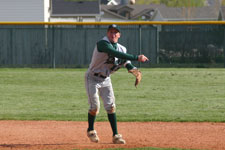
[[51, 135]]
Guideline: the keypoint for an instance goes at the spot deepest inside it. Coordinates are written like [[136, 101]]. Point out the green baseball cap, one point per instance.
[[113, 26]]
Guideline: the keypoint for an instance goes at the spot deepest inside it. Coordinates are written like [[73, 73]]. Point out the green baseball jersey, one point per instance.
[[109, 57]]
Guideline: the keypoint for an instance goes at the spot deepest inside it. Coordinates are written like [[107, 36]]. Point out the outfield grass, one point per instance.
[[163, 95]]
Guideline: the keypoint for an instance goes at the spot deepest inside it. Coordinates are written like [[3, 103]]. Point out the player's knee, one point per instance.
[[94, 112], [111, 110]]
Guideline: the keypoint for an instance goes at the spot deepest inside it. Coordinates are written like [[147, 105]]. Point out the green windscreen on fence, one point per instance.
[[191, 44], [72, 45], [67, 45]]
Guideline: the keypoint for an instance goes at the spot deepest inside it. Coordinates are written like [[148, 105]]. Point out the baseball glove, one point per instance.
[[137, 74]]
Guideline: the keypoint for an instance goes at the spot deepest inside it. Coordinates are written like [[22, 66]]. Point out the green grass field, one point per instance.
[[163, 95]]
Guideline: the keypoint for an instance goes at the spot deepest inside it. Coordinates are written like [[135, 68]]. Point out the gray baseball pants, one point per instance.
[[97, 86]]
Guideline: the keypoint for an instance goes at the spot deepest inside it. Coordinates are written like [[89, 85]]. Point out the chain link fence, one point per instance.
[[71, 45]]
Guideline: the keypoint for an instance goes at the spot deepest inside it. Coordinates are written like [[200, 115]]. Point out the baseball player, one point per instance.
[[108, 56]]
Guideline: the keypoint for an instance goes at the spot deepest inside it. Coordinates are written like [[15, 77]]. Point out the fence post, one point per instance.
[[140, 46], [158, 30], [85, 45], [46, 28], [53, 46], [11, 53]]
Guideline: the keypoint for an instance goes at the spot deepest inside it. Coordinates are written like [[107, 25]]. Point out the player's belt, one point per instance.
[[99, 75]]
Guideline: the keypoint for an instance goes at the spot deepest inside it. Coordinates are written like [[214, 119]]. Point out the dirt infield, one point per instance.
[[61, 135]]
